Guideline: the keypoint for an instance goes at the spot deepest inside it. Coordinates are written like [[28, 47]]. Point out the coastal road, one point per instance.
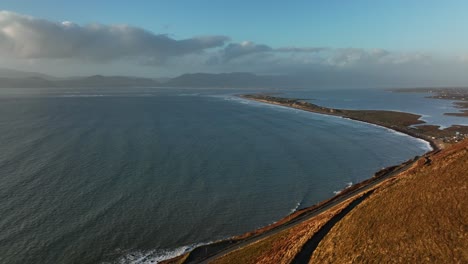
[[307, 215]]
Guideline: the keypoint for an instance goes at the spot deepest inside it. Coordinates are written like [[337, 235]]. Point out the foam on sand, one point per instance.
[[156, 255], [295, 208], [348, 185]]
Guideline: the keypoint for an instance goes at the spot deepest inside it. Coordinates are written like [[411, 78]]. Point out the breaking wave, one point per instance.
[[296, 208], [348, 185], [156, 255]]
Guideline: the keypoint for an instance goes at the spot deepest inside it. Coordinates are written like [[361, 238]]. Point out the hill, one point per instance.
[[221, 80], [413, 213], [16, 74], [29, 82], [17, 79], [14, 79], [90, 81], [420, 218], [107, 81]]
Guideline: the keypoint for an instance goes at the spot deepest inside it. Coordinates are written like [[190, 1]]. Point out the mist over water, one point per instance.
[[91, 176]]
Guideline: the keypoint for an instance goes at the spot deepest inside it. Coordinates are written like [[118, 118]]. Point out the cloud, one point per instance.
[[67, 48], [236, 50], [301, 49], [33, 38], [249, 54], [334, 65], [355, 57]]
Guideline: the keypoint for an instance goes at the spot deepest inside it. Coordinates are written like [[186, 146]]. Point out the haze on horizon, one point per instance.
[[417, 43]]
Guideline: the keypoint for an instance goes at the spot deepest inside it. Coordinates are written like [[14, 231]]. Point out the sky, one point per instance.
[[167, 38]]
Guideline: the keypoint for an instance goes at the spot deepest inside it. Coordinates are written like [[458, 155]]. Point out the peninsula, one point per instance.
[[399, 121], [457, 94]]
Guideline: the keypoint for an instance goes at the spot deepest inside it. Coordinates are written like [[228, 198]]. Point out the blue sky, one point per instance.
[[422, 42], [425, 25]]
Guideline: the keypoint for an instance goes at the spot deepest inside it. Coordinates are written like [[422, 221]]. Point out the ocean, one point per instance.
[[139, 175]]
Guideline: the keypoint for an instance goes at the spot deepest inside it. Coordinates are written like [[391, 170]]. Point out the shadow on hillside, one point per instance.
[[309, 247]]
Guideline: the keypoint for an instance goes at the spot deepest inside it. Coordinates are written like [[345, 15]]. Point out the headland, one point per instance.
[[457, 94], [406, 123]]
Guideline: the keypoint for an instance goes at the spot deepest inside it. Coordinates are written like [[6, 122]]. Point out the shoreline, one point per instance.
[[209, 251], [458, 96], [204, 252], [432, 144], [333, 112]]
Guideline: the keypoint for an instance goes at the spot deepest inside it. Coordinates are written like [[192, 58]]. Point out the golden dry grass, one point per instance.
[[422, 217], [283, 246]]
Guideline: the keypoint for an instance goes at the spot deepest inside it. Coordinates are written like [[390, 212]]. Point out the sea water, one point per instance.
[[139, 175], [432, 111]]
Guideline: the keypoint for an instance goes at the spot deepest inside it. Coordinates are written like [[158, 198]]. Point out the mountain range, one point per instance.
[[19, 79]]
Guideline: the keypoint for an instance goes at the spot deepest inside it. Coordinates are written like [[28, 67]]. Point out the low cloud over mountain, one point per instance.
[[67, 48]]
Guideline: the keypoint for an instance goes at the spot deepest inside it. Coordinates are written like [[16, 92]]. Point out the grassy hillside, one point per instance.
[[417, 214], [283, 246], [422, 217]]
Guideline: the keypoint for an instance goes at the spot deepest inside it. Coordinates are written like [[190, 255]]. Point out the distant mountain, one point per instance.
[[223, 80], [195, 80], [30, 82], [313, 79], [162, 80], [16, 74], [108, 81], [250, 80], [19, 79], [13, 79], [91, 81]]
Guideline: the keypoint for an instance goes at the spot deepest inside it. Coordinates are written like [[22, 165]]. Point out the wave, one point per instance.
[[145, 95], [295, 208], [157, 255], [237, 99], [82, 95], [105, 95], [189, 94], [425, 145], [232, 98], [348, 185]]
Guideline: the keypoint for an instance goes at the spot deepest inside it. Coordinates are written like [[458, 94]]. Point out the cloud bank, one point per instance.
[[32, 38], [67, 48]]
